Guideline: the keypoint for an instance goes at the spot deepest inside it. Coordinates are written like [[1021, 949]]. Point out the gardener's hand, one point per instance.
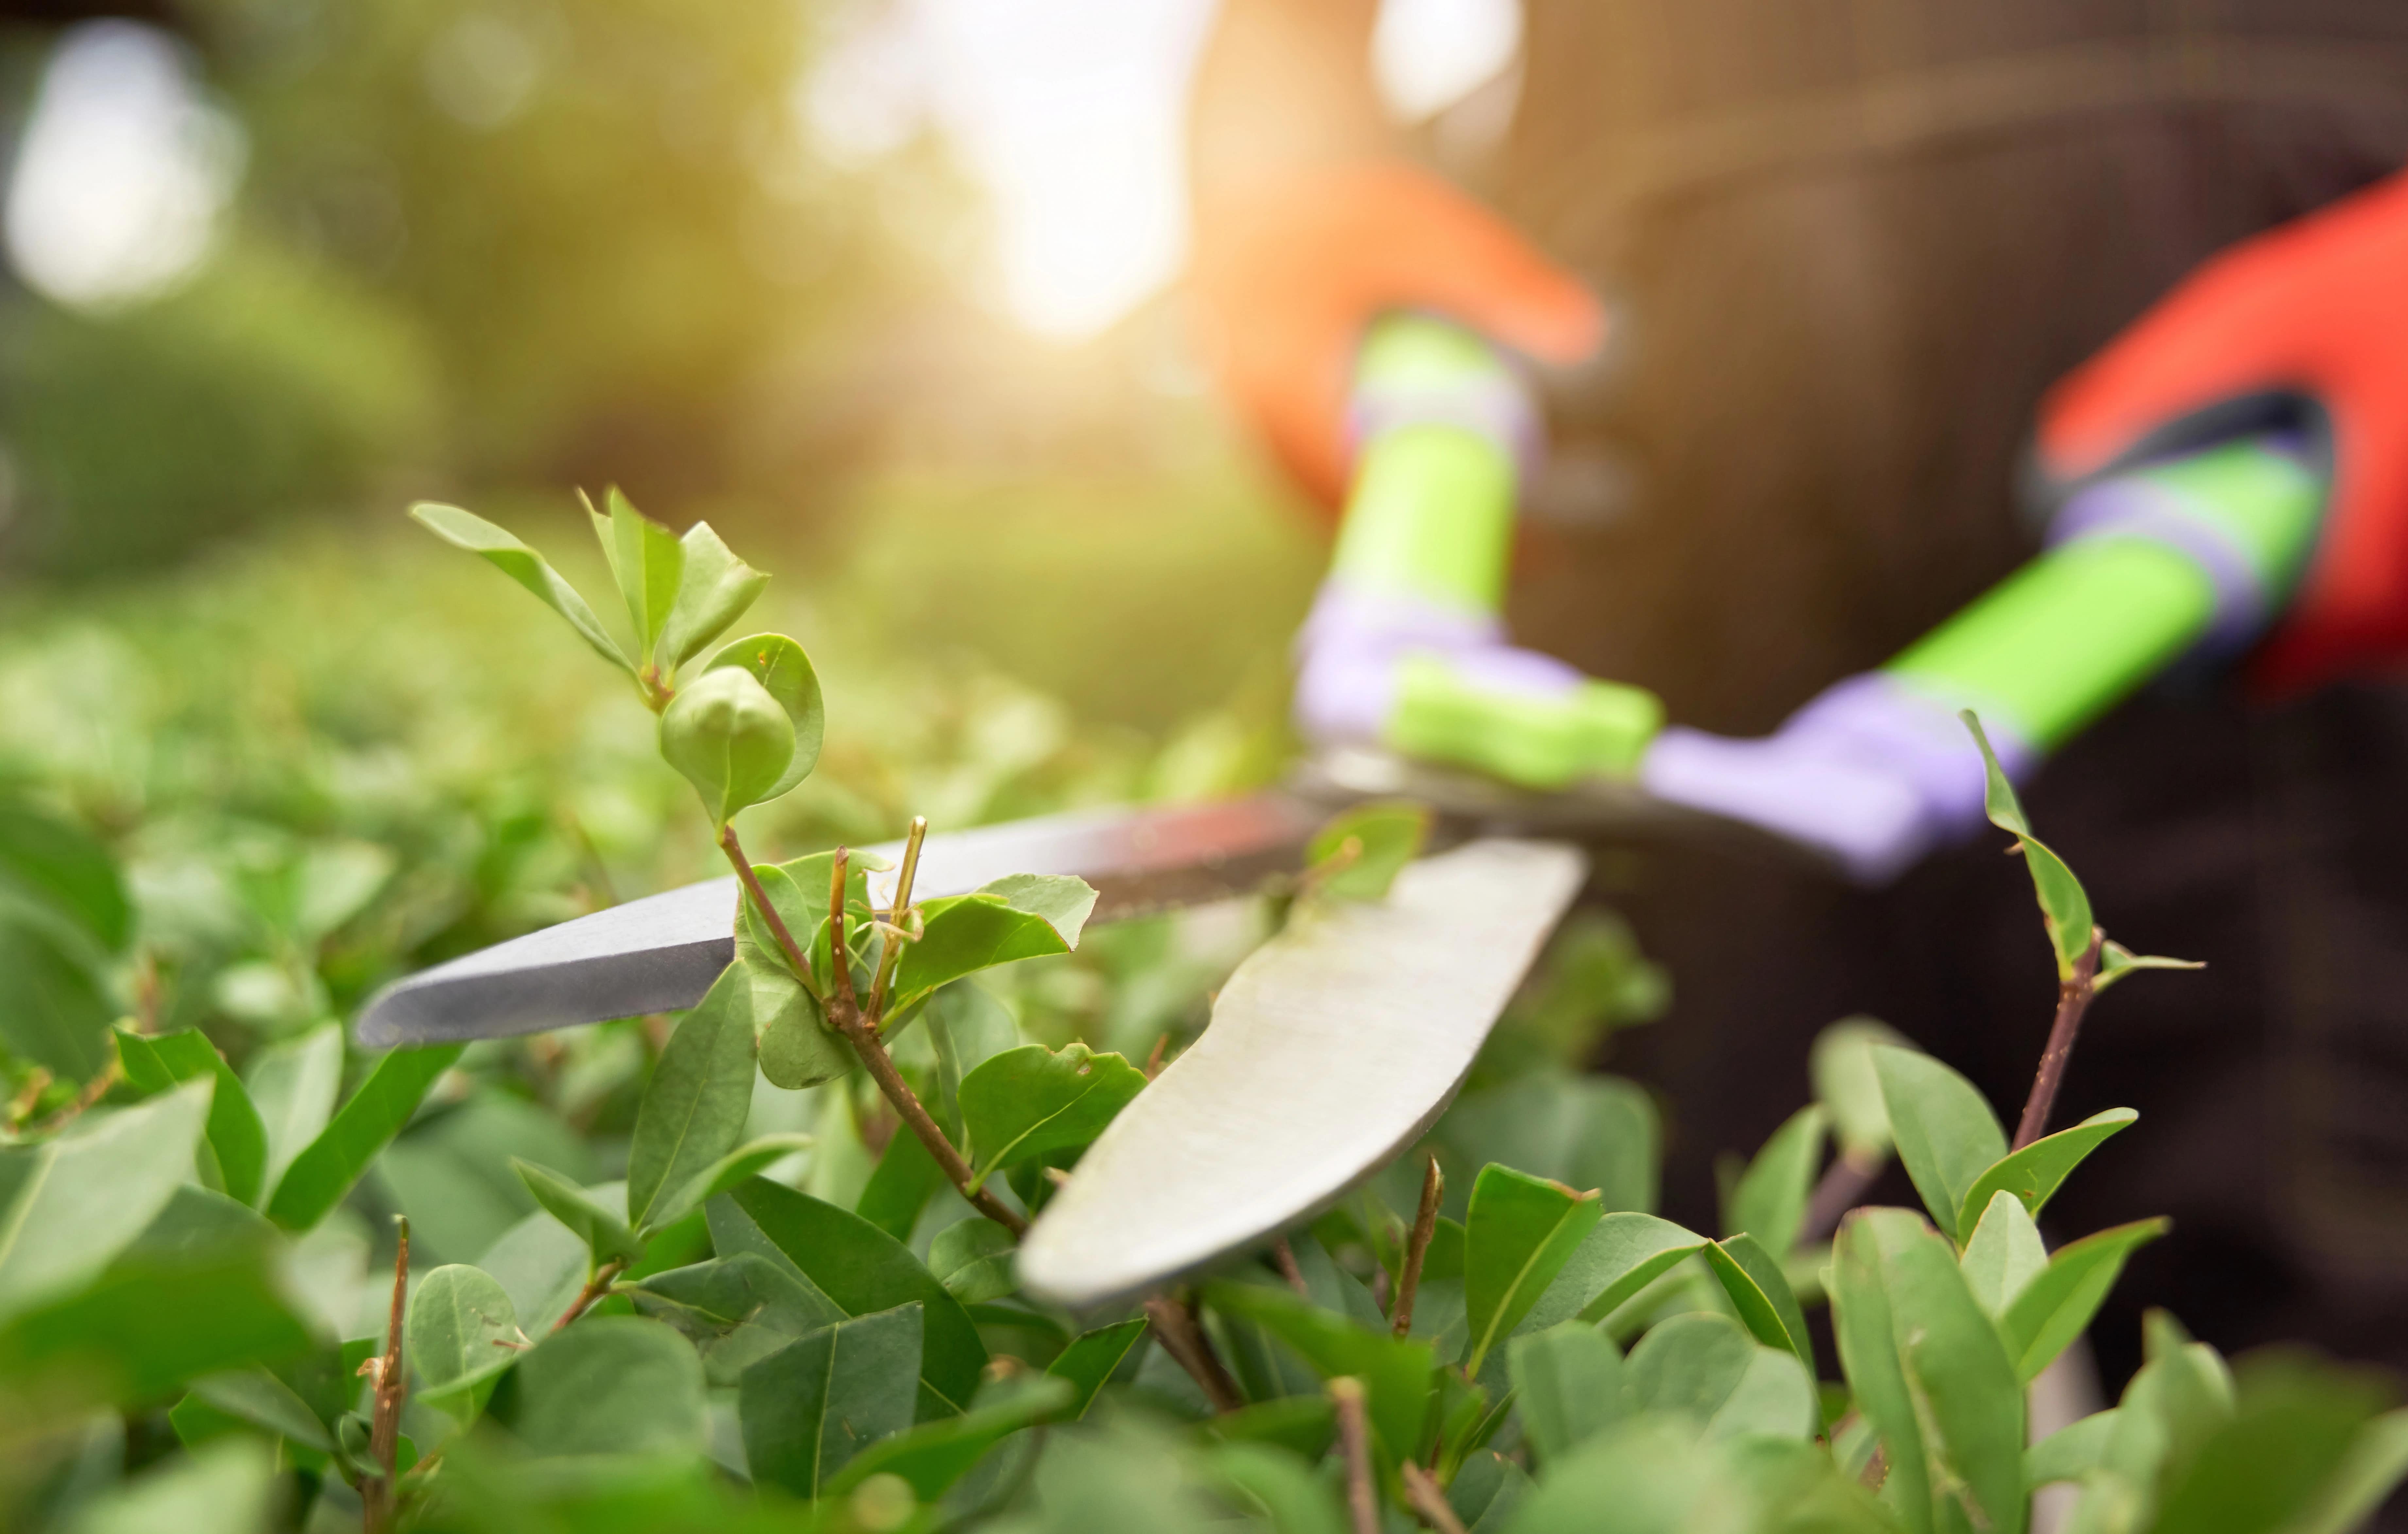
[[1291, 269], [2313, 314], [1869, 773]]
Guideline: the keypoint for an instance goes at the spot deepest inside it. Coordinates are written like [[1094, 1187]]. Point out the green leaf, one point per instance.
[[741, 1165], [1928, 1368], [1374, 840], [55, 1005], [467, 530], [611, 1384], [966, 1028], [1022, 916], [1567, 1384], [785, 672], [2115, 961], [69, 1205], [731, 740], [236, 1135], [129, 1336], [693, 1108], [1624, 1253], [2034, 1173], [330, 1163], [799, 1050], [1280, 1485], [592, 1222], [1595, 1132], [259, 1397], [735, 1311], [1945, 1132], [1519, 1233], [1770, 1202], [933, 1455], [1395, 1373], [295, 1086], [1849, 1087], [812, 1406], [462, 1332], [972, 1259], [2064, 909], [1304, 1425], [905, 1179], [1089, 1361], [713, 593], [1767, 1306], [2292, 1433], [1031, 1102], [62, 867], [1706, 1368], [2056, 1306], [2003, 1255], [646, 561], [2367, 1475], [2070, 1452], [862, 1269], [226, 1487]]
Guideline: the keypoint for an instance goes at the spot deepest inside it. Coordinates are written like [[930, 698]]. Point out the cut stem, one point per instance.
[[595, 1287], [845, 1012], [1422, 1490], [377, 1494], [890, 952], [1283, 1256], [1176, 1329], [1355, 1438], [2073, 996], [1408, 1275]]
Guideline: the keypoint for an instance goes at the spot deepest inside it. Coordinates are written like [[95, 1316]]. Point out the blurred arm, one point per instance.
[[1284, 84]]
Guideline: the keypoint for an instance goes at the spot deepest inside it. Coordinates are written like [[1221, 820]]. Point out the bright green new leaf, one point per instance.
[[1770, 1202], [1945, 1132], [972, 1259], [295, 1086], [129, 1336], [605, 1234], [2064, 909], [1358, 854], [1567, 1384], [713, 593], [2003, 1255], [259, 1397], [735, 1311], [1021, 916], [741, 1165], [611, 1384], [785, 673], [647, 562], [1519, 1233], [693, 1108], [1767, 1306], [1849, 1088], [1705, 1367], [1624, 1253], [812, 1406], [237, 1138], [1089, 1361], [2034, 1173], [862, 1269], [60, 864], [1032, 1101], [2115, 961], [69, 1205], [731, 740], [2056, 1305], [1864, 1324], [330, 1163], [467, 530], [462, 1332], [1395, 1373], [2070, 1452], [933, 1455]]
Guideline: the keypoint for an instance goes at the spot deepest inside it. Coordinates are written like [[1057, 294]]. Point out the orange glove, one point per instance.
[[2306, 324], [1288, 272]]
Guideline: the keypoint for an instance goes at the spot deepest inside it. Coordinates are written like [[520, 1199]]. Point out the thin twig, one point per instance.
[[377, 1493], [1191, 1350], [1843, 1182], [2073, 998], [1355, 1436], [844, 1010], [595, 1287], [1422, 1490], [1153, 1059], [891, 950], [1408, 1275], [1283, 1258], [92, 1092]]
